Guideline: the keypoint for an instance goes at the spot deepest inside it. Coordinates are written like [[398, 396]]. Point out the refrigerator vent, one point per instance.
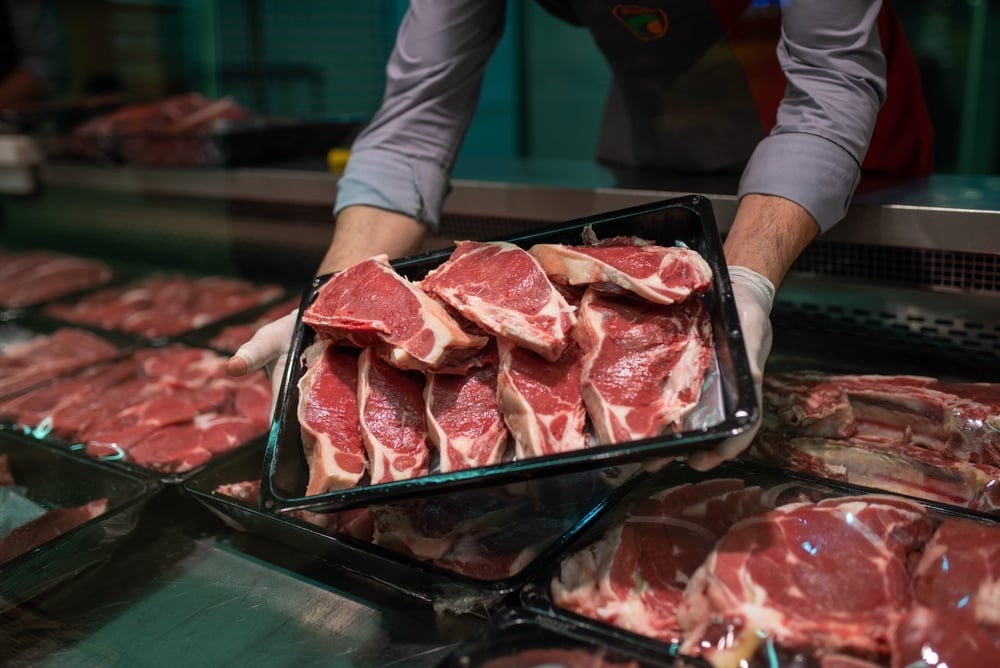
[[950, 270]]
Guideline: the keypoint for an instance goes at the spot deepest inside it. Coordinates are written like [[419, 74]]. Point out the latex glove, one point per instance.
[[267, 349], [754, 296]]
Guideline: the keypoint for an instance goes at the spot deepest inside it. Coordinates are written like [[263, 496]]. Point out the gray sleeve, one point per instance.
[[403, 159], [33, 27], [832, 57]]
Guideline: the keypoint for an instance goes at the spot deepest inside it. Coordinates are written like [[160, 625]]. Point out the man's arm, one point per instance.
[[363, 231], [768, 234]]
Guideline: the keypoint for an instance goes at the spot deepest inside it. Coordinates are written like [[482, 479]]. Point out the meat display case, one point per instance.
[[908, 283]]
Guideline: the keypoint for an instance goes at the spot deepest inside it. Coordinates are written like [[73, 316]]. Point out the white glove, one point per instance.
[[754, 297], [267, 348]]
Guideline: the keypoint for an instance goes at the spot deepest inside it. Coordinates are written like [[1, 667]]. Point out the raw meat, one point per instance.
[[902, 468], [956, 588], [660, 274], [48, 356], [906, 434], [826, 577], [173, 132], [643, 366], [168, 408], [370, 305], [501, 288], [28, 278], [541, 401], [634, 577], [329, 418], [164, 304], [42, 529], [393, 420], [463, 416], [959, 420]]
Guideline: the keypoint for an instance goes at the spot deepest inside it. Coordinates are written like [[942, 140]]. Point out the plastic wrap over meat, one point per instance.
[[752, 574], [908, 434]]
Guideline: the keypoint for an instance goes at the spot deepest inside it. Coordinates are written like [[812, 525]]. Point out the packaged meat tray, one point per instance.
[[462, 552], [162, 304], [910, 434], [598, 342], [59, 514], [521, 638], [34, 351], [29, 277], [161, 410], [746, 566], [191, 130]]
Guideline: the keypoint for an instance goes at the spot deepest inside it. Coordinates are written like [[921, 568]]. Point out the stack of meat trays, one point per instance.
[[589, 345], [519, 638], [59, 514], [746, 566], [464, 552]]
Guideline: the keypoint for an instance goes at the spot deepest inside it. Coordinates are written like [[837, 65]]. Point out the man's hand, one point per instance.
[[767, 235], [754, 297], [267, 348]]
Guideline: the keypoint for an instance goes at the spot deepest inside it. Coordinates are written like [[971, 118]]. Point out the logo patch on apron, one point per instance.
[[644, 23]]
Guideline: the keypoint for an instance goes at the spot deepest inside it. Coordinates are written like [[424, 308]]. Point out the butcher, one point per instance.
[[837, 97]]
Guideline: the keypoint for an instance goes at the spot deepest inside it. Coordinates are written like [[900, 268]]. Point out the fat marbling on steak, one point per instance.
[[541, 401], [501, 288], [635, 575], [660, 274], [463, 416], [393, 420], [826, 577], [370, 304], [329, 419], [956, 591], [644, 364]]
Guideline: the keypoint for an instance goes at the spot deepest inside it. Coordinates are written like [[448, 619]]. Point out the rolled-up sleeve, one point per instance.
[[402, 160], [833, 60]]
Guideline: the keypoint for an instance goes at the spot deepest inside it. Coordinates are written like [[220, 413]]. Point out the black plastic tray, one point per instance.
[[536, 594], [55, 478], [686, 220], [570, 502], [522, 638]]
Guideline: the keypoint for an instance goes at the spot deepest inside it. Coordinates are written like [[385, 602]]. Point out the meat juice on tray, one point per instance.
[[501, 353], [735, 572]]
